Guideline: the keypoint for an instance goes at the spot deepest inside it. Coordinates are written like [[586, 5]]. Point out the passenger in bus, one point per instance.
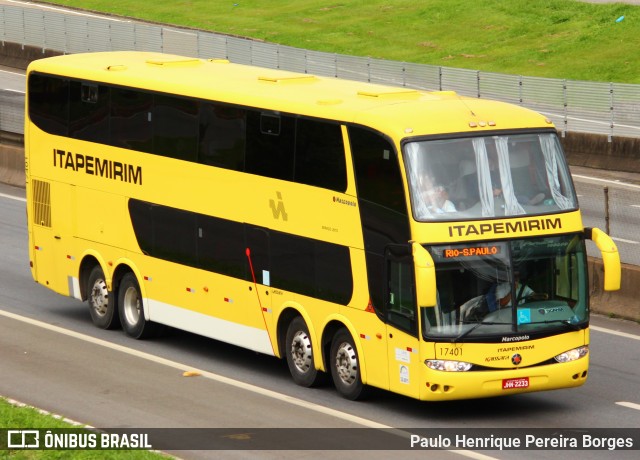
[[465, 189], [494, 170], [528, 180], [436, 197]]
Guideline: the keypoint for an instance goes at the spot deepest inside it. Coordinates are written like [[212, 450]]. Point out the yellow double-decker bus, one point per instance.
[[420, 242]]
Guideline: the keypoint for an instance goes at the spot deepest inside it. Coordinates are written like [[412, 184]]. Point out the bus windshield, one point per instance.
[[490, 176], [478, 282]]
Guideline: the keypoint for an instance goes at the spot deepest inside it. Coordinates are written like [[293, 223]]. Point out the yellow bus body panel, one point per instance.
[[89, 218]]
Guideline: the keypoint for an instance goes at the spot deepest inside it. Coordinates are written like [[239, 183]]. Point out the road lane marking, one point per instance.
[[608, 181], [12, 197], [12, 72], [229, 381], [630, 405], [626, 335], [624, 241]]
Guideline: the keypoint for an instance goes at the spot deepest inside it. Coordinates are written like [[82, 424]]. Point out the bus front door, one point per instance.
[[402, 322]]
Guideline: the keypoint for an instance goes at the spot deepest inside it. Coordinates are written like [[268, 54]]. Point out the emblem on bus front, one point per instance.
[[516, 359]]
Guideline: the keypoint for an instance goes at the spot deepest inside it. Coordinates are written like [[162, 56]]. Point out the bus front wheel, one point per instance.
[[299, 353], [101, 305], [130, 309], [345, 366]]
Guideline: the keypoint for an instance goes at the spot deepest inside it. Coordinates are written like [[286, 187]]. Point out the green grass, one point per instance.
[[12, 416], [546, 38]]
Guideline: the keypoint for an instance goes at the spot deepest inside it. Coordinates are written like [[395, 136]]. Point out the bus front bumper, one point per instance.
[[440, 385]]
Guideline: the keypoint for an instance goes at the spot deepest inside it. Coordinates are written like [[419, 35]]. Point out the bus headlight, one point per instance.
[[447, 366], [572, 355]]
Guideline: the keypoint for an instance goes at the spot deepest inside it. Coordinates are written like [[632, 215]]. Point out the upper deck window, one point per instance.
[[485, 177]]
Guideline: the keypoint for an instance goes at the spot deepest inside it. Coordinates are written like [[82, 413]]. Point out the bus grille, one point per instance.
[[41, 203]]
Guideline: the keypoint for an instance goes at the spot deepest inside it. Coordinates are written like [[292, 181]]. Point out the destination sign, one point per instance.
[[472, 251]]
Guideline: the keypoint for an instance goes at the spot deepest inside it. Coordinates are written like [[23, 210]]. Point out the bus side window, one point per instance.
[[131, 126], [377, 170], [222, 136], [49, 103], [382, 204], [270, 154], [89, 112], [175, 127], [320, 158]]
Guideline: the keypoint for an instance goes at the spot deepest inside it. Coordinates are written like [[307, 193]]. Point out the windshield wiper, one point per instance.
[[476, 326], [566, 322]]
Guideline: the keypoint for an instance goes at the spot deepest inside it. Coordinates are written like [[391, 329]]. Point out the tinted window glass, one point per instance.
[[334, 279], [377, 170], [131, 126], [258, 243], [174, 235], [49, 103], [320, 159], [221, 246], [175, 127], [382, 205], [401, 301], [291, 262], [284, 261], [142, 221], [222, 136], [89, 112], [270, 154]]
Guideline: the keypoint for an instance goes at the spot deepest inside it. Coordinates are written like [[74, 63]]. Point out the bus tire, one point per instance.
[[131, 310], [345, 366], [101, 302], [299, 353]]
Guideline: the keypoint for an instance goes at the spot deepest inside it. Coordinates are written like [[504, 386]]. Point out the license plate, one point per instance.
[[512, 384]]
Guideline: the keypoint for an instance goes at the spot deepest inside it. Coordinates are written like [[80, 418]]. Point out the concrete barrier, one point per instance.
[[12, 159], [620, 304], [18, 56], [600, 152]]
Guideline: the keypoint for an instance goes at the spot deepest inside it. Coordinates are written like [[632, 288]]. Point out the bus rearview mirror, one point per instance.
[[425, 276], [610, 257]]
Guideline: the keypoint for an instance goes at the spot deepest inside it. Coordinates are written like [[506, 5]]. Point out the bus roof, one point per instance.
[[397, 111]]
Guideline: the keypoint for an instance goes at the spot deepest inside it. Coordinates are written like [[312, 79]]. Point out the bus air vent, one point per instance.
[[41, 203], [116, 67], [288, 78], [178, 62], [444, 94], [391, 93]]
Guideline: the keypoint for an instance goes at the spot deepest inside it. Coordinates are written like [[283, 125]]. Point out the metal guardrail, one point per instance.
[[610, 109], [601, 108]]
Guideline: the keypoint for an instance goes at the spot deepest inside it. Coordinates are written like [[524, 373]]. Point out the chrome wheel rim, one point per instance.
[[131, 306], [100, 298], [347, 363], [301, 353]]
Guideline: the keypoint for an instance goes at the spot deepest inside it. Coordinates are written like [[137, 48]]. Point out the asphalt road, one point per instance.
[[53, 358]]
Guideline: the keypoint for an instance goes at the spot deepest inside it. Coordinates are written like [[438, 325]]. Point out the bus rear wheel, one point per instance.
[[131, 311], [345, 366], [299, 353], [101, 305]]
